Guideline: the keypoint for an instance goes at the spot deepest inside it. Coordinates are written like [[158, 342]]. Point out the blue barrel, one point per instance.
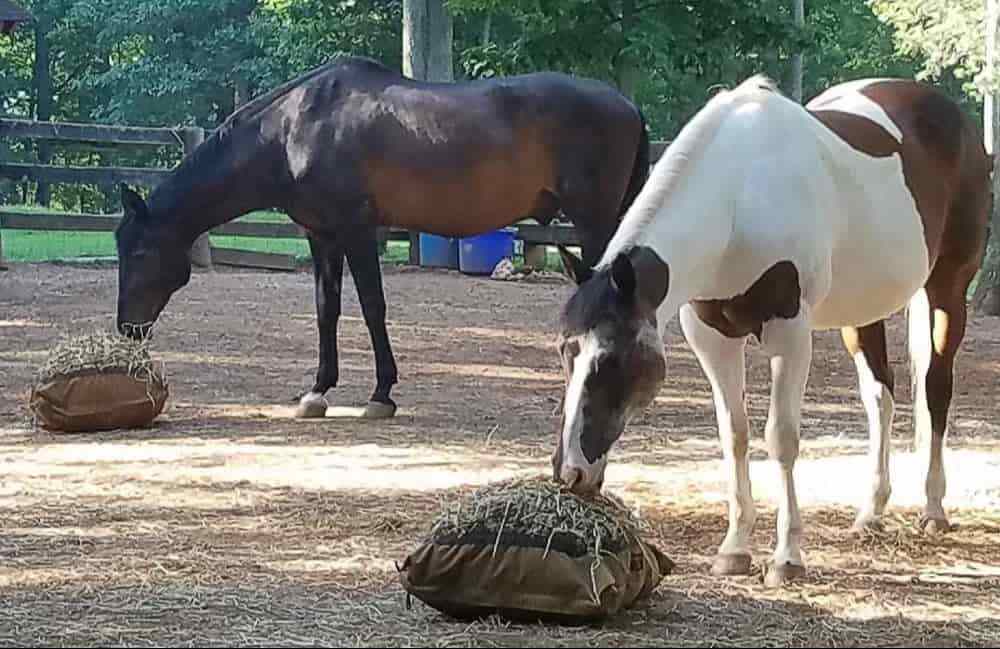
[[438, 252], [480, 254]]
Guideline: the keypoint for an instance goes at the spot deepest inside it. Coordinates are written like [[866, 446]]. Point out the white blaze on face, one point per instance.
[[572, 452]]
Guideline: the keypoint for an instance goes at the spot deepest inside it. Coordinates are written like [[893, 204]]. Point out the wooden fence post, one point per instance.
[[201, 251]]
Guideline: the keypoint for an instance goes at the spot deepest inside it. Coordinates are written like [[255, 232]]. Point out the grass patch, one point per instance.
[[33, 246]]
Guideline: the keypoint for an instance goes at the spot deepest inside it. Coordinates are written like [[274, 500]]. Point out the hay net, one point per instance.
[[101, 352], [538, 512]]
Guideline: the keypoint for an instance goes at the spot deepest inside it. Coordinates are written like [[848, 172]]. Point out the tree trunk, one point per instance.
[[428, 32], [799, 18], [626, 70], [43, 98], [986, 298], [487, 29]]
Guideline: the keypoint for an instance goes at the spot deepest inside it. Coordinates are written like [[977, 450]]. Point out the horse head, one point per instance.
[[613, 362], [153, 263]]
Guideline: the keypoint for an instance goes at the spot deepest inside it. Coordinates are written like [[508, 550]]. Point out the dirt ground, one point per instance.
[[229, 522]]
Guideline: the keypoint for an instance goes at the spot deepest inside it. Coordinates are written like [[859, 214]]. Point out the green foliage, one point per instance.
[[947, 35], [175, 62]]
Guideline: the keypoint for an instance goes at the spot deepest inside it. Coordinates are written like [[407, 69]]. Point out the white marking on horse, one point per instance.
[[879, 407], [848, 98], [921, 344], [583, 365]]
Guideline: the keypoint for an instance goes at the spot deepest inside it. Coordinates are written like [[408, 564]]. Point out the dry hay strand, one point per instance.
[[101, 351], [539, 510]]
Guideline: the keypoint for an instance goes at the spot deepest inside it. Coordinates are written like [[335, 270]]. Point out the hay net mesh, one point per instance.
[[101, 351], [538, 512]]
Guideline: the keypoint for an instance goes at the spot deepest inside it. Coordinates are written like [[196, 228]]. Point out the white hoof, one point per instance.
[[311, 406]]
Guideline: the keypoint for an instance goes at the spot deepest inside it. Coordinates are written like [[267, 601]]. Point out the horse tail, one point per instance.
[[640, 170]]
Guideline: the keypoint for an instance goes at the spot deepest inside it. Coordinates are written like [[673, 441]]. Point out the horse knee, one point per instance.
[[782, 437]]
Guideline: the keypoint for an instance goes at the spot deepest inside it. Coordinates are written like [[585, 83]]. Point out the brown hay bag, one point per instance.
[[96, 401], [522, 583]]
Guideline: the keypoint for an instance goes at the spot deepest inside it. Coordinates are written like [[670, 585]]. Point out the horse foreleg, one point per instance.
[[875, 382], [363, 259], [789, 344], [328, 271], [724, 362]]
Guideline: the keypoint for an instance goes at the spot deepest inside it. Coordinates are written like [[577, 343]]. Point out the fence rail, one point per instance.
[[532, 234], [95, 133]]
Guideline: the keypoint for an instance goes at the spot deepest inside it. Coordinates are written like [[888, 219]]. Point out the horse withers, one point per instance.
[[353, 145], [768, 219]]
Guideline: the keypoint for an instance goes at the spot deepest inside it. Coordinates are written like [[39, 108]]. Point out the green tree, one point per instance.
[[950, 37]]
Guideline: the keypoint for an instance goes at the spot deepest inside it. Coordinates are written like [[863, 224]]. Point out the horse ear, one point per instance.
[[623, 276], [574, 266], [132, 203], [652, 276]]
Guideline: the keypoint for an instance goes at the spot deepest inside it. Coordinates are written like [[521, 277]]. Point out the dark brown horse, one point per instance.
[[353, 145]]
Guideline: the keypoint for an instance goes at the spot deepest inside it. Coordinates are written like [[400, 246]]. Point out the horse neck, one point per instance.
[[689, 227], [224, 179], [691, 235]]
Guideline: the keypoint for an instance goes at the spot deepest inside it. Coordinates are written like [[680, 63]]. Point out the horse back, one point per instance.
[[425, 153]]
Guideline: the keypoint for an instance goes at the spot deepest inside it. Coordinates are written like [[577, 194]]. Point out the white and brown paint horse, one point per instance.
[[769, 219]]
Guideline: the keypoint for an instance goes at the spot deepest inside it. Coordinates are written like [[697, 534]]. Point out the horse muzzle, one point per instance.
[[135, 331]]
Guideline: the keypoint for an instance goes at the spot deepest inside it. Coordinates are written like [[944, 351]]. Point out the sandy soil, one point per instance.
[[229, 522]]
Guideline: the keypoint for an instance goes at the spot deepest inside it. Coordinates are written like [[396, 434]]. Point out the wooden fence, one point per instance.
[[204, 254]]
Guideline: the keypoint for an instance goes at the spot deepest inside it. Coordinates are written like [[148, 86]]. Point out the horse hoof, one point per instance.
[[777, 575], [311, 406], [935, 526], [868, 527], [379, 410], [731, 564]]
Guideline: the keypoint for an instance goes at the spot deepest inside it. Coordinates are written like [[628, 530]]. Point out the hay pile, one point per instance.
[[528, 549], [538, 511], [98, 381]]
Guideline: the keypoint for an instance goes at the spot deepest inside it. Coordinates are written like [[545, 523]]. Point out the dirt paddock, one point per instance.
[[229, 523]]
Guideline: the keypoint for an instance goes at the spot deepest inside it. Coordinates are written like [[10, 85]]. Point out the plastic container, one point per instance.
[[438, 252], [480, 254]]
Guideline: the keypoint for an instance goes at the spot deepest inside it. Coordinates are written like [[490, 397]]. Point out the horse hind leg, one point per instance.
[[788, 342], [363, 260], [867, 346], [937, 320]]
